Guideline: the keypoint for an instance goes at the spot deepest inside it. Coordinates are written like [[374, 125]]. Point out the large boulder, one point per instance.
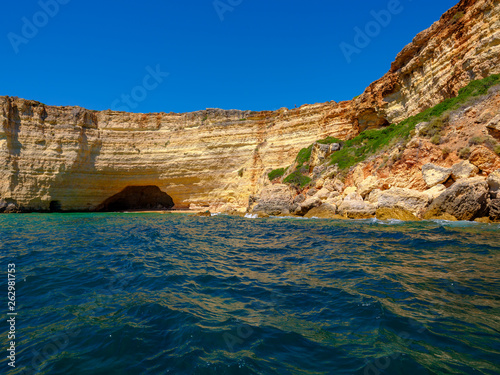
[[434, 174], [464, 170], [325, 211], [485, 159], [407, 199], [395, 213], [323, 194], [307, 205], [357, 209], [435, 191], [494, 184], [368, 185], [274, 199], [464, 200]]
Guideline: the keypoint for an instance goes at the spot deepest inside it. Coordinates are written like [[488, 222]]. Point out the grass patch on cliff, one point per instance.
[[303, 156], [276, 173], [297, 178], [371, 142]]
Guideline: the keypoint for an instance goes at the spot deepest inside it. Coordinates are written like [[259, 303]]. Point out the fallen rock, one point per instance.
[[299, 199], [325, 211], [434, 174], [373, 196], [435, 191], [495, 210], [307, 205], [368, 185], [323, 194], [494, 184], [410, 200], [274, 200], [204, 213], [485, 159], [395, 213], [355, 209], [348, 190], [465, 200], [443, 216], [353, 197], [464, 170], [11, 208], [484, 220], [494, 127]]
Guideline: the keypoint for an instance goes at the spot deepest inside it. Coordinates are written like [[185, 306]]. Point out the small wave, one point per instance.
[[251, 216]]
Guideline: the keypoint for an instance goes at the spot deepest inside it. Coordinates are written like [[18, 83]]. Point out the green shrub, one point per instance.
[[303, 156], [464, 153], [497, 150], [297, 178], [276, 173], [436, 139], [476, 141], [433, 128], [240, 172], [446, 151]]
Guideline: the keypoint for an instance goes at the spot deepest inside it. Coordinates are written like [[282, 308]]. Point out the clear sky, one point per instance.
[[188, 55]]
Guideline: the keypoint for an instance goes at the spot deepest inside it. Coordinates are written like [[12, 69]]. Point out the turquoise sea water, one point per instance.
[[176, 294]]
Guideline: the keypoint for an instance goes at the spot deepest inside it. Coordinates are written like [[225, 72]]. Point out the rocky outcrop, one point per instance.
[[325, 211], [464, 200], [274, 200], [406, 199], [395, 213], [307, 205]]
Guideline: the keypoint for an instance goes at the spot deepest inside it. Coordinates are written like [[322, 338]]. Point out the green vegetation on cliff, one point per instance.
[[276, 173], [297, 178], [371, 142]]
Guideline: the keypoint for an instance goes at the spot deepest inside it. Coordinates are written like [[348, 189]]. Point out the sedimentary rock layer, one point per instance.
[[80, 157]]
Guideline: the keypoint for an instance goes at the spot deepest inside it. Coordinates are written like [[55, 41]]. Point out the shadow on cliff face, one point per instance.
[[137, 198]]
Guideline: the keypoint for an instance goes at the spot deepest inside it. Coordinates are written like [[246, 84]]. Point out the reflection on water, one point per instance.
[[157, 294]]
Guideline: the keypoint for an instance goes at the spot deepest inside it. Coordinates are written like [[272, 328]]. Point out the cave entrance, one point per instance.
[[137, 198]]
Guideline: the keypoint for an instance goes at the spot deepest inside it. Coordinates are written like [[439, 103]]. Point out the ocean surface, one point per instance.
[[132, 293]]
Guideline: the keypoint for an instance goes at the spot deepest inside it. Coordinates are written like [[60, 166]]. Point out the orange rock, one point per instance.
[[485, 159]]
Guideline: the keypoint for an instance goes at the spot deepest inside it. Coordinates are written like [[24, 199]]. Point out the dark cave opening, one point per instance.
[[137, 198]]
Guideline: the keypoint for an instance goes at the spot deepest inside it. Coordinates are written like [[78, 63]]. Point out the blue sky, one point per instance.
[[179, 56]]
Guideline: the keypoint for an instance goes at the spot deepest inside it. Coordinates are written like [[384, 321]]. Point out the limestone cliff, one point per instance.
[[80, 157]]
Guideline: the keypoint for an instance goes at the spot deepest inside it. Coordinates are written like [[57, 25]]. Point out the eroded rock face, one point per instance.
[[137, 198], [464, 200], [494, 210]]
